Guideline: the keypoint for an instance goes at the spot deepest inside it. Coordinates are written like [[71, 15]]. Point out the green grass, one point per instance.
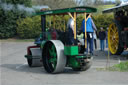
[[16, 40], [100, 8], [122, 67]]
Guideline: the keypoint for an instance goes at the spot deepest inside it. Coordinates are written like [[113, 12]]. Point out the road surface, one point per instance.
[[15, 71]]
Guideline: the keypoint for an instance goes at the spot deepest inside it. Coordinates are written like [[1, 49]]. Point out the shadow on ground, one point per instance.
[[37, 70], [103, 55]]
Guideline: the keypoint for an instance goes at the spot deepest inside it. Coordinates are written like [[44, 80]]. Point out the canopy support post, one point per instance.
[[75, 25], [85, 34], [71, 16]]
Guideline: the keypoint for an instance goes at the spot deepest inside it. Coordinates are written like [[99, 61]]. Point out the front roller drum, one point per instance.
[[86, 64], [35, 60], [53, 56]]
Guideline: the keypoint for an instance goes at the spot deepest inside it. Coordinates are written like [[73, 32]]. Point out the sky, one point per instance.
[[114, 0]]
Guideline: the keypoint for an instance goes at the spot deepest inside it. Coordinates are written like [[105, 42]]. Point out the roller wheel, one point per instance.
[[29, 61], [85, 67], [114, 39], [54, 60]]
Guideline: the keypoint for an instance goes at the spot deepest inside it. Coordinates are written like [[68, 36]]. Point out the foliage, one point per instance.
[[29, 27], [27, 3], [7, 26], [55, 4], [9, 17], [100, 8], [103, 20], [123, 66]]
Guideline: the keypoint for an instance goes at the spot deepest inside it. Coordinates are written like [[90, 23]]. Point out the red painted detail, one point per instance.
[[125, 46], [28, 49], [54, 35], [125, 29]]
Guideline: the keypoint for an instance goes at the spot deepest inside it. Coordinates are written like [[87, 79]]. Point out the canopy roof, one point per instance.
[[80, 9], [116, 8]]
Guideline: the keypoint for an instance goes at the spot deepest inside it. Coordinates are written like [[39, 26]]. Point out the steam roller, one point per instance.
[[52, 48]]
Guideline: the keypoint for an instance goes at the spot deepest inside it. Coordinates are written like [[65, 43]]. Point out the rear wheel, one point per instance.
[[114, 40], [29, 60], [85, 67], [54, 59]]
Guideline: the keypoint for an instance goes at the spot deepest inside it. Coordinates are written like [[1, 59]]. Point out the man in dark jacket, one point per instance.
[[102, 36]]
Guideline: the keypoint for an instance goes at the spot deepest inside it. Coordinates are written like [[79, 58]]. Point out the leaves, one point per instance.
[[103, 20], [8, 18], [29, 27]]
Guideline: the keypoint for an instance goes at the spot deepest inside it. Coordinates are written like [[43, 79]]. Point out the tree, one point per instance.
[[56, 4], [117, 2], [88, 2], [98, 2], [27, 3], [9, 17]]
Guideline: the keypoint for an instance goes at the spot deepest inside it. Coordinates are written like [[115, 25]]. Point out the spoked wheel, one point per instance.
[[54, 59], [113, 40]]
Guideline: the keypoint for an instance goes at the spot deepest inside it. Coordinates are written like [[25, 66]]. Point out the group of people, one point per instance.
[[91, 34]]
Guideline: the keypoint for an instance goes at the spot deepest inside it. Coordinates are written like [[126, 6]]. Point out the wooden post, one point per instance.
[[71, 15], [74, 25], [74, 19], [85, 32]]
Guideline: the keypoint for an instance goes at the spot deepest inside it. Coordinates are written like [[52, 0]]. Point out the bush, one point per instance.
[[9, 17], [8, 24], [103, 20], [29, 27]]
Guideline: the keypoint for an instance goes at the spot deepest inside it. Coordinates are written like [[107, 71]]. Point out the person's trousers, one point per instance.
[[106, 43], [89, 42], [102, 45]]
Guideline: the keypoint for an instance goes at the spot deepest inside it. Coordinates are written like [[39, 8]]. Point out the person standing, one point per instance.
[[90, 27], [95, 38], [102, 36], [107, 38], [70, 26]]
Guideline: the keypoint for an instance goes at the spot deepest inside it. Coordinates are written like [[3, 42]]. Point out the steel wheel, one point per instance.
[[29, 61], [113, 39], [53, 56], [85, 67]]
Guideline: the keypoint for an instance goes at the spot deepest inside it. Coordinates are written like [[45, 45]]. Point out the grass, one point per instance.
[[122, 67], [100, 8], [16, 40]]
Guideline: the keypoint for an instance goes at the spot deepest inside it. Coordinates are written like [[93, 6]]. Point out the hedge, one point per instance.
[[29, 27], [103, 20]]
